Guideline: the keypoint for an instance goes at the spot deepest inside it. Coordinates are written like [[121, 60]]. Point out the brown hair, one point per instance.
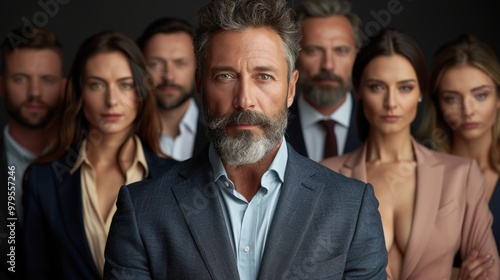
[[39, 39], [74, 126], [466, 50], [167, 25], [328, 8], [393, 42]]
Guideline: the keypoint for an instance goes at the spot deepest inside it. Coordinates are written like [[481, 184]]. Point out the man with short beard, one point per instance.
[[248, 206], [167, 45], [32, 86], [330, 41]]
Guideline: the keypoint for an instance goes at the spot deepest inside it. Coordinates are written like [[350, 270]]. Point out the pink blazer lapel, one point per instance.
[[355, 164], [428, 194]]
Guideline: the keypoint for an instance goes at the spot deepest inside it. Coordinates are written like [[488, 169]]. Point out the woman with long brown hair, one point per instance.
[[109, 137]]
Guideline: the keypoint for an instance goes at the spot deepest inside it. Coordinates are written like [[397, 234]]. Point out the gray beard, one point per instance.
[[244, 149], [323, 96]]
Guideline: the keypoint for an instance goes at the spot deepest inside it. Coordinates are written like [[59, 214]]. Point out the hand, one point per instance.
[[475, 267]]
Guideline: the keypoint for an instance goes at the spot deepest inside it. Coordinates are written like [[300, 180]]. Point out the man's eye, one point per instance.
[[224, 76], [49, 80], [265, 77], [154, 65], [19, 79], [342, 51], [313, 51]]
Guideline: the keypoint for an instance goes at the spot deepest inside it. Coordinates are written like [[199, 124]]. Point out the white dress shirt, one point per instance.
[[314, 134]]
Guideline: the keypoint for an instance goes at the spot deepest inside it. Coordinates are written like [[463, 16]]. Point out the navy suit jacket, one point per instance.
[[295, 136], [56, 243], [326, 226]]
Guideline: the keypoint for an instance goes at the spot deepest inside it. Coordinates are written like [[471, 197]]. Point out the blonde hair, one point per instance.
[[466, 50]]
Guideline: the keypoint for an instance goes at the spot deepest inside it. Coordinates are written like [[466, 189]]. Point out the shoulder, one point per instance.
[[46, 176], [456, 170], [311, 172], [428, 156], [154, 160], [351, 159], [335, 163], [175, 174]]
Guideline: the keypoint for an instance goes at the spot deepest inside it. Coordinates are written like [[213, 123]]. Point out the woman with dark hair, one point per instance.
[[431, 204], [109, 138], [465, 89]]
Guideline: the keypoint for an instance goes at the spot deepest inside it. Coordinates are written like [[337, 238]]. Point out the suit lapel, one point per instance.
[[198, 199], [70, 199], [428, 194], [292, 217]]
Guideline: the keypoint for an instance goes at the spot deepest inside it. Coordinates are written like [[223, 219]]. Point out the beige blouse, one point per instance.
[[96, 226]]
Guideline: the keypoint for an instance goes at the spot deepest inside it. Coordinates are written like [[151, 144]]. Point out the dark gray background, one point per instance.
[[431, 23]]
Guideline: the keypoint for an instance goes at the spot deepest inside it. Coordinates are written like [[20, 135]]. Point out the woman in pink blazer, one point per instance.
[[465, 89], [432, 204]]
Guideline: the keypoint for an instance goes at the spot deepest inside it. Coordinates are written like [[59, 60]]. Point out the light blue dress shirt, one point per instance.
[[181, 147], [248, 223]]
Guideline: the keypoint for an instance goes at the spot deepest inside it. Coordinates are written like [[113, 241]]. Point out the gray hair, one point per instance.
[[241, 14], [327, 8]]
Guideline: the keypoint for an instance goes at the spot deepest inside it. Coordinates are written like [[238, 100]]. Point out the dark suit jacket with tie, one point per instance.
[[295, 136], [326, 226], [56, 242]]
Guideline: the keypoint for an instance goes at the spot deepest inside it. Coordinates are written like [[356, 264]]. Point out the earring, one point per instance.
[[419, 99]]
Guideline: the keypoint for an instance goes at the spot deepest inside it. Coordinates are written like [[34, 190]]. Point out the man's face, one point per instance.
[[246, 93], [326, 59], [171, 60], [33, 83]]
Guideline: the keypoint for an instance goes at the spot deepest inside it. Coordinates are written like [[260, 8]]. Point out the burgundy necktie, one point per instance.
[[330, 149]]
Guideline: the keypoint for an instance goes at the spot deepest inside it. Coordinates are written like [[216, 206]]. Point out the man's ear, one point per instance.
[[292, 85]]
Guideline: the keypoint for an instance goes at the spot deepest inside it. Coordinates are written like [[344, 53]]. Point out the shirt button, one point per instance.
[[246, 249], [226, 184]]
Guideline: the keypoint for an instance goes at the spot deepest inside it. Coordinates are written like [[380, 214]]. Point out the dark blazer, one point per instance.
[[5, 231], [326, 226], [56, 243], [295, 136]]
